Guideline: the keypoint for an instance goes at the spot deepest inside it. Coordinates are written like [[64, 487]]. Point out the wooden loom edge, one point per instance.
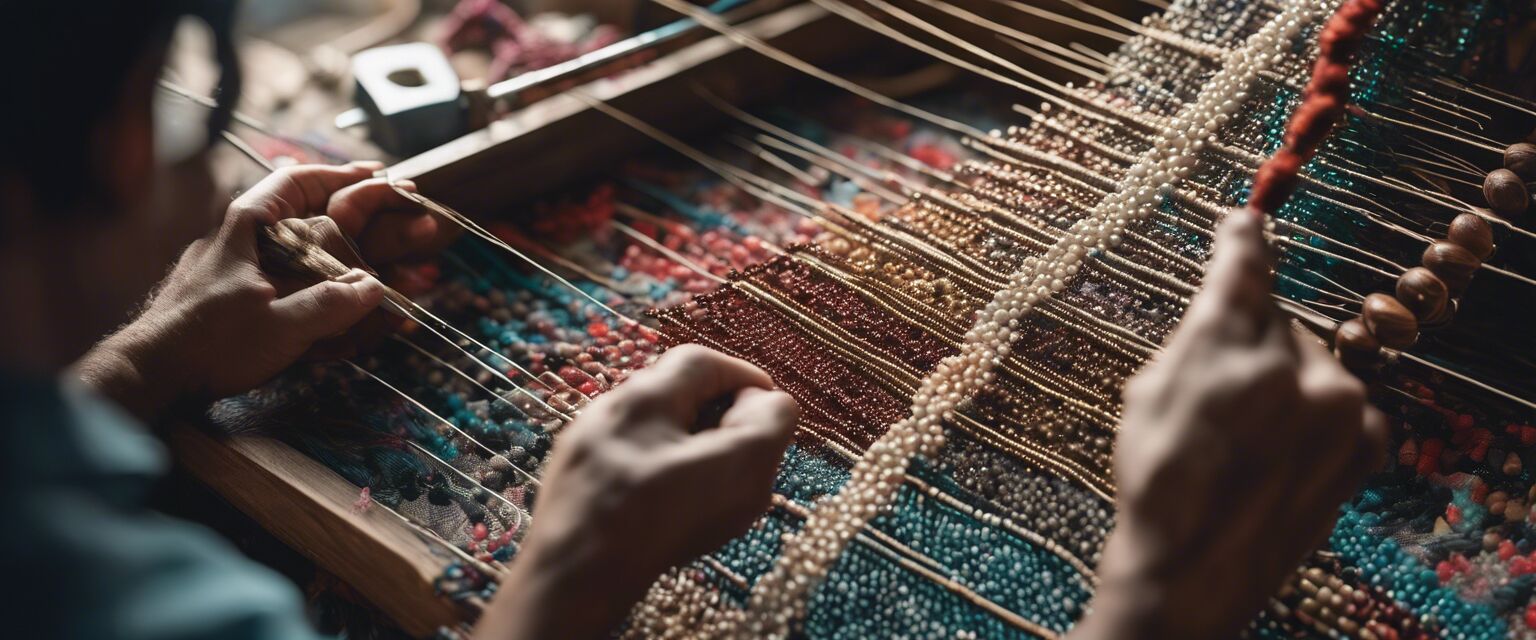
[[311, 509]]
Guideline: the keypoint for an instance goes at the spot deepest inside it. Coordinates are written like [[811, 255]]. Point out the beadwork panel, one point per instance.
[[958, 356]]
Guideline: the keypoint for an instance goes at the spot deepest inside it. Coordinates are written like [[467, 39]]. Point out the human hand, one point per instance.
[[1238, 443], [637, 484], [218, 325]]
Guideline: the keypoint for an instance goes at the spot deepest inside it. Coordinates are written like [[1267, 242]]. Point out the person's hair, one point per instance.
[[71, 62]]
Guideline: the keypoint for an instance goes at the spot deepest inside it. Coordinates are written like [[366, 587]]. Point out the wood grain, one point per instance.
[[310, 508]]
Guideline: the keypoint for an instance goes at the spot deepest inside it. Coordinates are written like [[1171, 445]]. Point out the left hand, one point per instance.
[[218, 325]]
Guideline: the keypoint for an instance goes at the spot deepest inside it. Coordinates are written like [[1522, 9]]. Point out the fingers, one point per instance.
[[355, 206], [399, 235], [1239, 271], [745, 452], [753, 433], [762, 413], [1345, 436], [333, 240], [328, 308], [387, 225], [293, 192], [688, 377], [1366, 458], [1235, 295]]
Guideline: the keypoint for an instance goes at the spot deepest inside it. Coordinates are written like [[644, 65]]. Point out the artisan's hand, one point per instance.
[[219, 325], [1238, 444], [636, 485]]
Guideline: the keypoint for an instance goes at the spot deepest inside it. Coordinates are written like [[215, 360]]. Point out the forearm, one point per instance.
[[558, 593], [1114, 616], [125, 368]]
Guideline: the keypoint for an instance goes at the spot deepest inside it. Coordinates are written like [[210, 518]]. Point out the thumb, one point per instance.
[[328, 308], [757, 427], [1234, 300], [1238, 275]]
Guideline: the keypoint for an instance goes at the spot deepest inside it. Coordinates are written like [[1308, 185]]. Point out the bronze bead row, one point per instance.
[[1424, 296], [1505, 189]]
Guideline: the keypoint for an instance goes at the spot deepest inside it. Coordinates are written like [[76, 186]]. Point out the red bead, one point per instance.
[[1519, 566], [479, 532], [1444, 571], [1481, 440], [1408, 453], [1429, 456], [1527, 435]]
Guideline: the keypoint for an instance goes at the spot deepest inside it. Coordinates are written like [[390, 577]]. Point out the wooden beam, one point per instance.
[[310, 508], [562, 140]]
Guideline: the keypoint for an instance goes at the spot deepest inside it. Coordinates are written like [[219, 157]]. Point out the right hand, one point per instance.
[[636, 485], [1238, 444]]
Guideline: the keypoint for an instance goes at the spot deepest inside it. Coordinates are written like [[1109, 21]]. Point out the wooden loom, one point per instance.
[[546, 145]]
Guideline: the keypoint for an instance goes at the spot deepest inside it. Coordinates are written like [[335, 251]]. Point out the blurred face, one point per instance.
[[164, 204], [95, 266]]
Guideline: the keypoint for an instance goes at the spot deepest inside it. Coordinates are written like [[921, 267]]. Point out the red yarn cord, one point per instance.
[[1323, 104]]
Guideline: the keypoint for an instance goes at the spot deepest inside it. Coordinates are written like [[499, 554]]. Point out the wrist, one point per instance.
[[563, 590], [1118, 611], [1134, 604], [129, 368]]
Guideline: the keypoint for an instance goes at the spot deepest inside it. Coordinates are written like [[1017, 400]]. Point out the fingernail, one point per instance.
[[371, 165], [408, 185], [352, 277]]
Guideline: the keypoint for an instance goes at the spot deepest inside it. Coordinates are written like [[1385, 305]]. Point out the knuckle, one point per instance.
[[642, 395], [260, 291], [781, 407], [1341, 394], [1268, 370], [1139, 386], [609, 460], [243, 208], [688, 356], [1147, 386]]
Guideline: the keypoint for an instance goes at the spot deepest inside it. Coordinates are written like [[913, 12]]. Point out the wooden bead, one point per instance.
[[1520, 158], [1355, 345], [1423, 293], [1452, 263], [1515, 512], [1506, 193], [1473, 233], [1390, 321]]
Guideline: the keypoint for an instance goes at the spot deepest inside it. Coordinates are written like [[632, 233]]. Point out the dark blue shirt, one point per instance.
[[82, 555]]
